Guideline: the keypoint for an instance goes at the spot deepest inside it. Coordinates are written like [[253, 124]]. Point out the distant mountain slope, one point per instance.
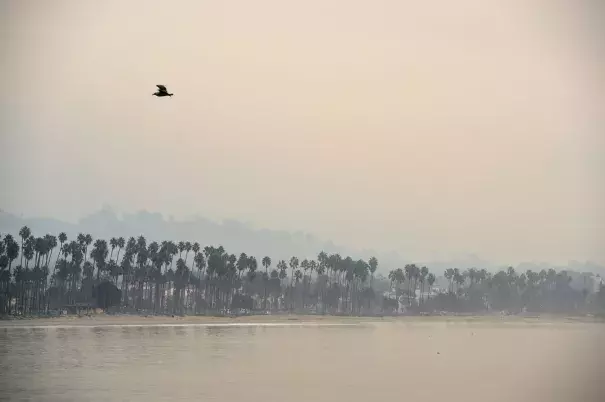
[[235, 236], [238, 237]]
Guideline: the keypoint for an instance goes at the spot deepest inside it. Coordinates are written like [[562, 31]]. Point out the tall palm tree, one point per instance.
[[242, 264], [293, 266], [99, 254], [113, 244], [24, 233], [62, 239], [449, 275], [373, 265], [188, 247], [430, 279], [409, 274], [472, 275], [298, 276], [12, 252], [334, 263], [27, 251], [322, 260], [120, 243], [305, 265], [4, 276], [283, 267], [266, 261], [200, 264], [312, 268], [424, 272], [181, 248], [252, 266], [85, 240], [181, 275], [458, 279], [51, 242]]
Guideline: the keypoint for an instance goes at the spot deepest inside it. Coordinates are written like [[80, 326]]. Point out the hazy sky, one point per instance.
[[428, 127]]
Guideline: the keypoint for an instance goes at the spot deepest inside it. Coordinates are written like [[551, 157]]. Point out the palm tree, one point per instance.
[[196, 250], [297, 277], [181, 275], [52, 244], [62, 239], [449, 275], [458, 278], [188, 247], [266, 261], [283, 267], [27, 251], [391, 277], [200, 264], [322, 260], [430, 280], [12, 252], [333, 264], [181, 248], [293, 267], [242, 264], [99, 254], [472, 276], [4, 276], [424, 271], [305, 265], [24, 233], [409, 274], [120, 243], [75, 268], [86, 242], [312, 268], [482, 276], [113, 243], [373, 264]]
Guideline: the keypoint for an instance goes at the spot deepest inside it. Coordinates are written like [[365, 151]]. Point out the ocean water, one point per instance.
[[405, 361]]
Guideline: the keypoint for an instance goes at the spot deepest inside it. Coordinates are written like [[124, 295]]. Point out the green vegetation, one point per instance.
[[40, 274]]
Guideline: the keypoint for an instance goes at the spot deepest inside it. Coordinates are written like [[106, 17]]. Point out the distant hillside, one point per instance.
[[238, 237], [235, 236]]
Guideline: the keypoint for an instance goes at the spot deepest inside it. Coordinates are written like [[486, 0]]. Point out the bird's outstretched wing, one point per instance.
[[161, 88]]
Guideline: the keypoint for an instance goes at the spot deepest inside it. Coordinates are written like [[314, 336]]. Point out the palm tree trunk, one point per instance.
[[8, 288]]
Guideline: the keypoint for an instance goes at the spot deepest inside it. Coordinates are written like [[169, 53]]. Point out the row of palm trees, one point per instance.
[[474, 290], [42, 273], [38, 274]]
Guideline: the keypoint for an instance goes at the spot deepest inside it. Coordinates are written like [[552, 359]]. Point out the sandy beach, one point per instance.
[[102, 319], [114, 320]]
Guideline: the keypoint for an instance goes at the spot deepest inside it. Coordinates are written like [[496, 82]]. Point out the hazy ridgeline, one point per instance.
[[45, 273]]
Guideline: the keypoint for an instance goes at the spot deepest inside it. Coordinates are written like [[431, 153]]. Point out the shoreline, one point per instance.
[[283, 320]]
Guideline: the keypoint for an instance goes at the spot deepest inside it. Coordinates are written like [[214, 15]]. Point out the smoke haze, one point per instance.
[[433, 129]]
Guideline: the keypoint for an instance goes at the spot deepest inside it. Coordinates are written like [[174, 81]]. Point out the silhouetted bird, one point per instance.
[[162, 91]]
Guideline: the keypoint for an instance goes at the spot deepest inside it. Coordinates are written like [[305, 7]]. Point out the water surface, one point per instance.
[[434, 361]]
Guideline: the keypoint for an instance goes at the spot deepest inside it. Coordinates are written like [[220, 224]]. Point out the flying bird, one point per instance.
[[162, 91]]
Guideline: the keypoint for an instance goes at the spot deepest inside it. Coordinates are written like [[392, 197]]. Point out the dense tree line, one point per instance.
[[473, 290], [39, 274]]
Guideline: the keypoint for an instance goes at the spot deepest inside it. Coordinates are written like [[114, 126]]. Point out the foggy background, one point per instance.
[[433, 129]]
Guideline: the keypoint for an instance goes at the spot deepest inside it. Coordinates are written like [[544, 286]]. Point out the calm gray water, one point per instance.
[[379, 362]]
